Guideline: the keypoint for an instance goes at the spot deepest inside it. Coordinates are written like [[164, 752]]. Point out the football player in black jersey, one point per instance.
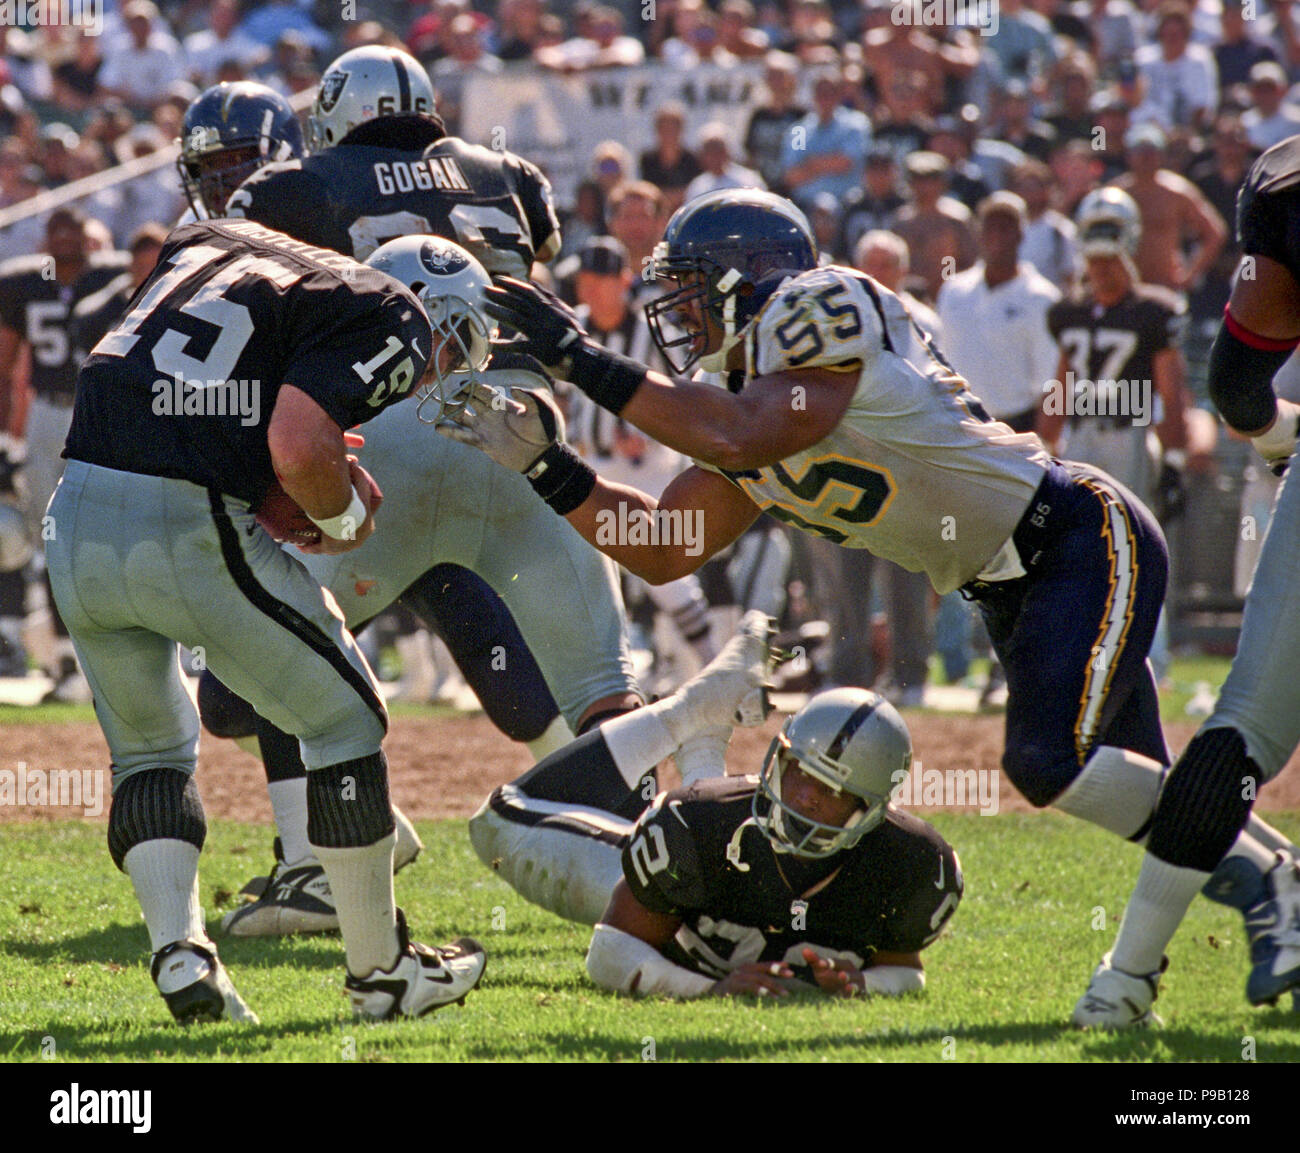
[[1204, 811], [386, 168], [244, 358], [1119, 342], [734, 885], [37, 296]]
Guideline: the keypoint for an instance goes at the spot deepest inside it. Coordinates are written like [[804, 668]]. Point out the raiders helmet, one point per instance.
[[729, 250], [229, 132], [363, 84], [852, 741], [1109, 223], [449, 283]]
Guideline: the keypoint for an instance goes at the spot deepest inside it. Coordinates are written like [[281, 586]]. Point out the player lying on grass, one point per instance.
[[804, 876], [816, 408]]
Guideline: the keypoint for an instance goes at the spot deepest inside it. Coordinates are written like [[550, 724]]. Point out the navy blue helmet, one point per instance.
[[229, 132], [729, 251]]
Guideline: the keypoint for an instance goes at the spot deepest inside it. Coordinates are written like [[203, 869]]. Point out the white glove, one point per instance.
[[515, 427], [1278, 444]]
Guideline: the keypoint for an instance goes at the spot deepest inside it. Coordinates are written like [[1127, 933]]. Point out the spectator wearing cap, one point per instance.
[[872, 207], [937, 227], [965, 180], [1271, 119], [770, 123], [670, 164], [1174, 215], [994, 318], [1016, 125], [825, 151], [140, 70], [1050, 243], [719, 171], [1071, 117], [223, 40], [58, 143], [1238, 49], [1180, 78]]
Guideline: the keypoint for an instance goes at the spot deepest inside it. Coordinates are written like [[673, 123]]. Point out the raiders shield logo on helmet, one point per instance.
[[331, 88], [442, 259]]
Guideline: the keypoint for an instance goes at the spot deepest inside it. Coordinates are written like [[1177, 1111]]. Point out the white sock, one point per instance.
[[639, 740], [1159, 903], [1259, 854], [289, 804], [1272, 839], [362, 883], [165, 874], [557, 735], [703, 756], [1117, 790]]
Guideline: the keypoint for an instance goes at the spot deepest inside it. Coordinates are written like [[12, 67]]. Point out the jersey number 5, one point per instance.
[[836, 489], [790, 334]]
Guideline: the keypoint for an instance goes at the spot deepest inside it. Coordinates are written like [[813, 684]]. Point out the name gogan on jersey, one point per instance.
[[185, 384], [915, 471]]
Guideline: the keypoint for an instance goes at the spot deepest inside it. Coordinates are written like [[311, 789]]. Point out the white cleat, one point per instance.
[[1119, 1000], [421, 980], [731, 689], [195, 984]]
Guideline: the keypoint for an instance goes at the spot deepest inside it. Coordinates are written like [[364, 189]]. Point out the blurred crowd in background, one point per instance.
[[901, 139]]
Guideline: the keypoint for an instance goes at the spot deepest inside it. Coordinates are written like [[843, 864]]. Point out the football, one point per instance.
[[284, 518]]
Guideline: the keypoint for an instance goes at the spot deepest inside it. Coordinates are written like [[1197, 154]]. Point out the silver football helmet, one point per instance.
[[449, 283], [1109, 222], [852, 741], [363, 84]]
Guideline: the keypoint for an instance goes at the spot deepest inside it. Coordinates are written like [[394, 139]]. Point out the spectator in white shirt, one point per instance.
[[1270, 120], [140, 72], [208, 50], [1050, 244], [995, 319], [720, 171], [604, 47], [1181, 78]]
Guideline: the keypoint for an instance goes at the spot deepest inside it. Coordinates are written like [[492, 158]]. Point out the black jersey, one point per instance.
[[358, 195], [94, 317], [1117, 343], [1268, 207], [184, 386], [39, 309], [697, 854]]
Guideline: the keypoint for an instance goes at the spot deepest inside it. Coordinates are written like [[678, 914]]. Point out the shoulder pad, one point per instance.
[[661, 862]]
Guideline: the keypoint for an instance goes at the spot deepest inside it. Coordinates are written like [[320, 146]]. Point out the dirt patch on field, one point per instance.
[[445, 767]]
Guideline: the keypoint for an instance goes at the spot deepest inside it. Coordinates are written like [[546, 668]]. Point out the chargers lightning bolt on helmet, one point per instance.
[[729, 250], [852, 741], [363, 84], [229, 132], [449, 283], [1109, 223]]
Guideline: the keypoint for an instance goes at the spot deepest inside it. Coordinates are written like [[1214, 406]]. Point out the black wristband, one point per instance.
[[561, 478], [609, 379]]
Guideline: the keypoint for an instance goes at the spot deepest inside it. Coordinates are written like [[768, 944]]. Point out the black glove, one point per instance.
[[1171, 494], [554, 336]]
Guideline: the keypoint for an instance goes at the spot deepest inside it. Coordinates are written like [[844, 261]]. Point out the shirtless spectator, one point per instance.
[[891, 49], [936, 227], [1173, 212]]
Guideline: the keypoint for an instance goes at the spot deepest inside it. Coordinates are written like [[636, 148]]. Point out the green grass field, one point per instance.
[[1042, 898]]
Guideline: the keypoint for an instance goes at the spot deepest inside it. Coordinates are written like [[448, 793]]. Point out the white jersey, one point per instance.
[[915, 470]]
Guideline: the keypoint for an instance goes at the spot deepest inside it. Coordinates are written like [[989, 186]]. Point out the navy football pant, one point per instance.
[[1073, 634]]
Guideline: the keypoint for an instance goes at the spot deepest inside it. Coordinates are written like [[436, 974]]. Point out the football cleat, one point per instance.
[[195, 985], [1119, 1000], [1270, 903], [296, 899], [732, 688], [421, 980]]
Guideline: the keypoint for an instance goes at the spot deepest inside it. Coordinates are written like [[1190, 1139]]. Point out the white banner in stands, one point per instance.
[[556, 121]]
